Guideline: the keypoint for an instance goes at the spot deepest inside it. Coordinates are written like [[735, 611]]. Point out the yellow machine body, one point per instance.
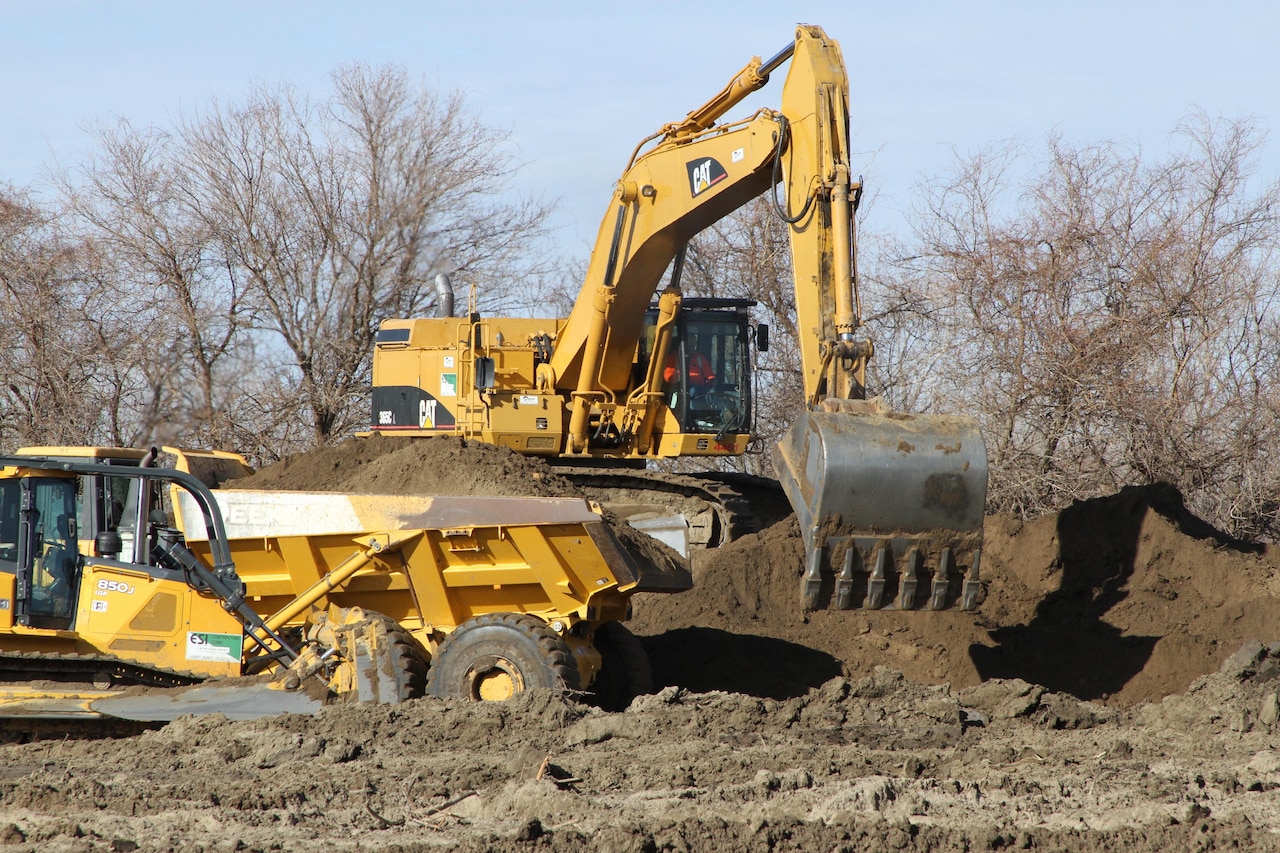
[[265, 569]]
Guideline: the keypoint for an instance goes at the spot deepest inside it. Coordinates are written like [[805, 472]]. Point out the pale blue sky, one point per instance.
[[578, 84]]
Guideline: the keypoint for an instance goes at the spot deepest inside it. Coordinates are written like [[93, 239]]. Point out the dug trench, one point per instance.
[[1114, 691]]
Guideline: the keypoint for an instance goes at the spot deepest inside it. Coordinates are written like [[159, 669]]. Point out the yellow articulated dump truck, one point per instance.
[[118, 578]]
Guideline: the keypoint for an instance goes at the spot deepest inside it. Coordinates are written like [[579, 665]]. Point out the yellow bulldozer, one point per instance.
[[117, 574], [890, 504]]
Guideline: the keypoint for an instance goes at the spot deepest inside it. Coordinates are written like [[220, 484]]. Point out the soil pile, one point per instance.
[[1125, 599], [442, 465]]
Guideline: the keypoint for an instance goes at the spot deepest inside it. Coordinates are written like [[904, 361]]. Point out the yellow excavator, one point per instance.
[[890, 504]]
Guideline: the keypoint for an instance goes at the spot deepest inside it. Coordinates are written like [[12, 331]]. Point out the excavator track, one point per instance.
[[718, 506]]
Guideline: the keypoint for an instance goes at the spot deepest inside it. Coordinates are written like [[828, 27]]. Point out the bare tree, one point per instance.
[[339, 213], [64, 335], [1107, 319], [262, 243], [131, 200]]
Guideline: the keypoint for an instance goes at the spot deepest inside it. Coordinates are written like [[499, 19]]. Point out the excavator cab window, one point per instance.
[[707, 374], [715, 396]]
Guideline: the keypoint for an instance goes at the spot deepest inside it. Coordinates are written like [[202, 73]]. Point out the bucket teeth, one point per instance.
[[875, 583], [938, 592], [972, 586], [910, 580], [844, 583], [914, 580], [811, 584]]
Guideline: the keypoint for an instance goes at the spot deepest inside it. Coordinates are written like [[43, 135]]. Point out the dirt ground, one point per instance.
[[1115, 691]]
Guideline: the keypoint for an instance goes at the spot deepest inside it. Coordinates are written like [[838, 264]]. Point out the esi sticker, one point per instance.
[[99, 607], [218, 648]]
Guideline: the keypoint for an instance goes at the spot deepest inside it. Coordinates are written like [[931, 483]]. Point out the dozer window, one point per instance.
[[10, 500], [48, 567]]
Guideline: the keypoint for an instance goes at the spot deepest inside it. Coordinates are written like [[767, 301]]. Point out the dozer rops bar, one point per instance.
[[77, 630]]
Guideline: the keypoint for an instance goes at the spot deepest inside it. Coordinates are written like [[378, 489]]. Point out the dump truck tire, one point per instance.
[[408, 662], [390, 661], [499, 655], [625, 672]]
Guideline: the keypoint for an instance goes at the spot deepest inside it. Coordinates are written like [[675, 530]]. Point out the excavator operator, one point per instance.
[[700, 372]]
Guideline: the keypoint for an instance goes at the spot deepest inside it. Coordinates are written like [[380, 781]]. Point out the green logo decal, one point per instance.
[[219, 648]]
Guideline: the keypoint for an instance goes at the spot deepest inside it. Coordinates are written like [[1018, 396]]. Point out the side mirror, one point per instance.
[[762, 338], [485, 373]]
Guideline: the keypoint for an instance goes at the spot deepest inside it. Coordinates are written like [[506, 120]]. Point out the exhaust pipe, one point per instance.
[[444, 290]]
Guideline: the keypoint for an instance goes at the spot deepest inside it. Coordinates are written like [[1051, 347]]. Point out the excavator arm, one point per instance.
[[697, 174]]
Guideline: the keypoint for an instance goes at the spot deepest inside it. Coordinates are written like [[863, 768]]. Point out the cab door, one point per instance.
[[47, 564]]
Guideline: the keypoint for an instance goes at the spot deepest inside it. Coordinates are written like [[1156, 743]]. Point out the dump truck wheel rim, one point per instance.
[[494, 679]]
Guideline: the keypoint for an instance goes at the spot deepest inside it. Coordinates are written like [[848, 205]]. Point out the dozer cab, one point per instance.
[[890, 504], [117, 575]]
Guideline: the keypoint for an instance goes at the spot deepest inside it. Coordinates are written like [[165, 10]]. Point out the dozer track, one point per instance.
[[89, 669], [82, 673]]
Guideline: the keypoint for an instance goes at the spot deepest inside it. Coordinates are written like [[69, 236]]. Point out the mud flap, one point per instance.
[[890, 506]]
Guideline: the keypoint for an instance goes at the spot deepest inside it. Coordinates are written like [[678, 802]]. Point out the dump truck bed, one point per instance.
[[459, 557]]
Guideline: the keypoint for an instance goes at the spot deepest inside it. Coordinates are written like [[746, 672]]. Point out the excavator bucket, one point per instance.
[[890, 506]]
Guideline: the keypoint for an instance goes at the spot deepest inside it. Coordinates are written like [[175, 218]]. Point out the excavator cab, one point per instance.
[[707, 374]]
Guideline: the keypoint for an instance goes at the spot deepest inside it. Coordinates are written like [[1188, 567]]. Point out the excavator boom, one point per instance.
[[890, 505]]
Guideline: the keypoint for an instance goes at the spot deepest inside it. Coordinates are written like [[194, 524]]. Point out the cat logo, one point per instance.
[[427, 414], [705, 174]]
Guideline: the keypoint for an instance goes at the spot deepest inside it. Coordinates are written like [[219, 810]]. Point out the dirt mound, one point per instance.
[[441, 465], [1126, 599]]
